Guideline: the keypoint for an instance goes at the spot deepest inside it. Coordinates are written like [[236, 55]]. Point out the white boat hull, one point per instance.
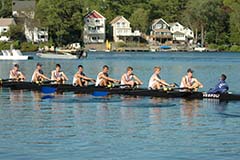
[[12, 54], [13, 57], [57, 56]]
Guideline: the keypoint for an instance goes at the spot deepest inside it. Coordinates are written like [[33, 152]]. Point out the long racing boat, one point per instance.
[[169, 93]]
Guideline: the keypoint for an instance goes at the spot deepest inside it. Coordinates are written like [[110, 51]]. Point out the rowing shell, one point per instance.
[[121, 91]]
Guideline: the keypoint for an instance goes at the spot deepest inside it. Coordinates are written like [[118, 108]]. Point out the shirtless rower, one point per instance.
[[103, 79], [80, 79], [58, 75], [38, 75], [15, 74], [130, 79], [188, 81], [155, 81]]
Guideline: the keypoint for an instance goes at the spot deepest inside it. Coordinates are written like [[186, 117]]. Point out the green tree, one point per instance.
[[64, 19], [139, 19], [5, 8], [16, 32], [233, 7]]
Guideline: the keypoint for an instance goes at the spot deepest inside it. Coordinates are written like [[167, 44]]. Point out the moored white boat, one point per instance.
[[13, 54], [57, 55]]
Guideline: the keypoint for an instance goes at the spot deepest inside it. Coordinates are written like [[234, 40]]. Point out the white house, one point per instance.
[[24, 12], [161, 31], [180, 33], [4, 27], [121, 29], [94, 28]]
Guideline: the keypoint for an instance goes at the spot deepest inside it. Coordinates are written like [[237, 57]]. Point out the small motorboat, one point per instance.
[[13, 54]]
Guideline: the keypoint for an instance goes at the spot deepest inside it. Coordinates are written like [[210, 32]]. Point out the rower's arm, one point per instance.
[[184, 82], [43, 76], [161, 81], [84, 77], [199, 83], [137, 79], [52, 76], [108, 78], [65, 77]]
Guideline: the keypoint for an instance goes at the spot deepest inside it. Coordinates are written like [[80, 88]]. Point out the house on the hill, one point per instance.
[[181, 33], [23, 13], [5, 24], [160, 31], [121, 29], [94, 28]]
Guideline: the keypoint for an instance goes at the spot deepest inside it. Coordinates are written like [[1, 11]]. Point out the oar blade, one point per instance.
[[100, 93], [48, 90]]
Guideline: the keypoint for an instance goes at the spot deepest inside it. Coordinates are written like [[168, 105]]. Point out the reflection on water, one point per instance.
[[124, 127]]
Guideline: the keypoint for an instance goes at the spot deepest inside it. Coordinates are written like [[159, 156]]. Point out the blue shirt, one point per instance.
[[221, 87]]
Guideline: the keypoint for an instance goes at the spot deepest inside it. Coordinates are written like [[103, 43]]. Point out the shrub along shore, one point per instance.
[[30, 47]]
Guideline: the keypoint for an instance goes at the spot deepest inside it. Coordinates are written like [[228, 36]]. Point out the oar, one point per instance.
[[100, 93], [48, 90]]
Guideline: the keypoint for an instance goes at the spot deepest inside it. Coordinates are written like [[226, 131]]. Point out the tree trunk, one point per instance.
[[196, 36], [202, 35]]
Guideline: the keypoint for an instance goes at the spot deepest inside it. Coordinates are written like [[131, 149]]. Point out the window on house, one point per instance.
[[123, 24], [158, 26], [94, 38], [97, 21], [118, 24], [164, 26], [4, 29]]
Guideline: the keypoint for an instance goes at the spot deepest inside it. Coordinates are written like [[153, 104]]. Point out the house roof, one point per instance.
[[18, 5], [94, 14], [160, 19], [116, 19], [162, 30], [6, 21]]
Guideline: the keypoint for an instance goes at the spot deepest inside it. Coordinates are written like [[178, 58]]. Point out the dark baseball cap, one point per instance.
[[190, 70], [39, 64]]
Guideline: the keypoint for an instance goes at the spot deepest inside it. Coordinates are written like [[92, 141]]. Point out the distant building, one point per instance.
[[24, 12], [180, 33], [4, 27], [160, 31], [121, 29], [94, 28]]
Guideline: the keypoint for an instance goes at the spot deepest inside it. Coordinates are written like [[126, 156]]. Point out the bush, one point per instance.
[[213, 46], [223, 48], [28, 47], [121, 44], [5, 45], [234, 48]]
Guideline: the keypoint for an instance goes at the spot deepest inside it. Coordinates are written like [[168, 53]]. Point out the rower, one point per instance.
[[129, 79], [189, 82], [80, 79], [15, 74], [155, 81], [103, 79], [38, 75], [58, 76], [221, 87]]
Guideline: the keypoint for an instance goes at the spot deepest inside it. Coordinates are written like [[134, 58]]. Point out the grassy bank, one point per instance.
[[224, 48], [24, 47]]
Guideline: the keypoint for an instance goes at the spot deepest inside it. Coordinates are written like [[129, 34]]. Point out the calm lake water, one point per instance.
[[73, 126]]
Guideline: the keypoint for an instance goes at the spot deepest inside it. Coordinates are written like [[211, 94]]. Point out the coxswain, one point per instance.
[[221, 87], [80, 79], [102, 78], [155, 81], [58, 76], [15, 74], [189, 82], [38, 75], [130, 79]]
